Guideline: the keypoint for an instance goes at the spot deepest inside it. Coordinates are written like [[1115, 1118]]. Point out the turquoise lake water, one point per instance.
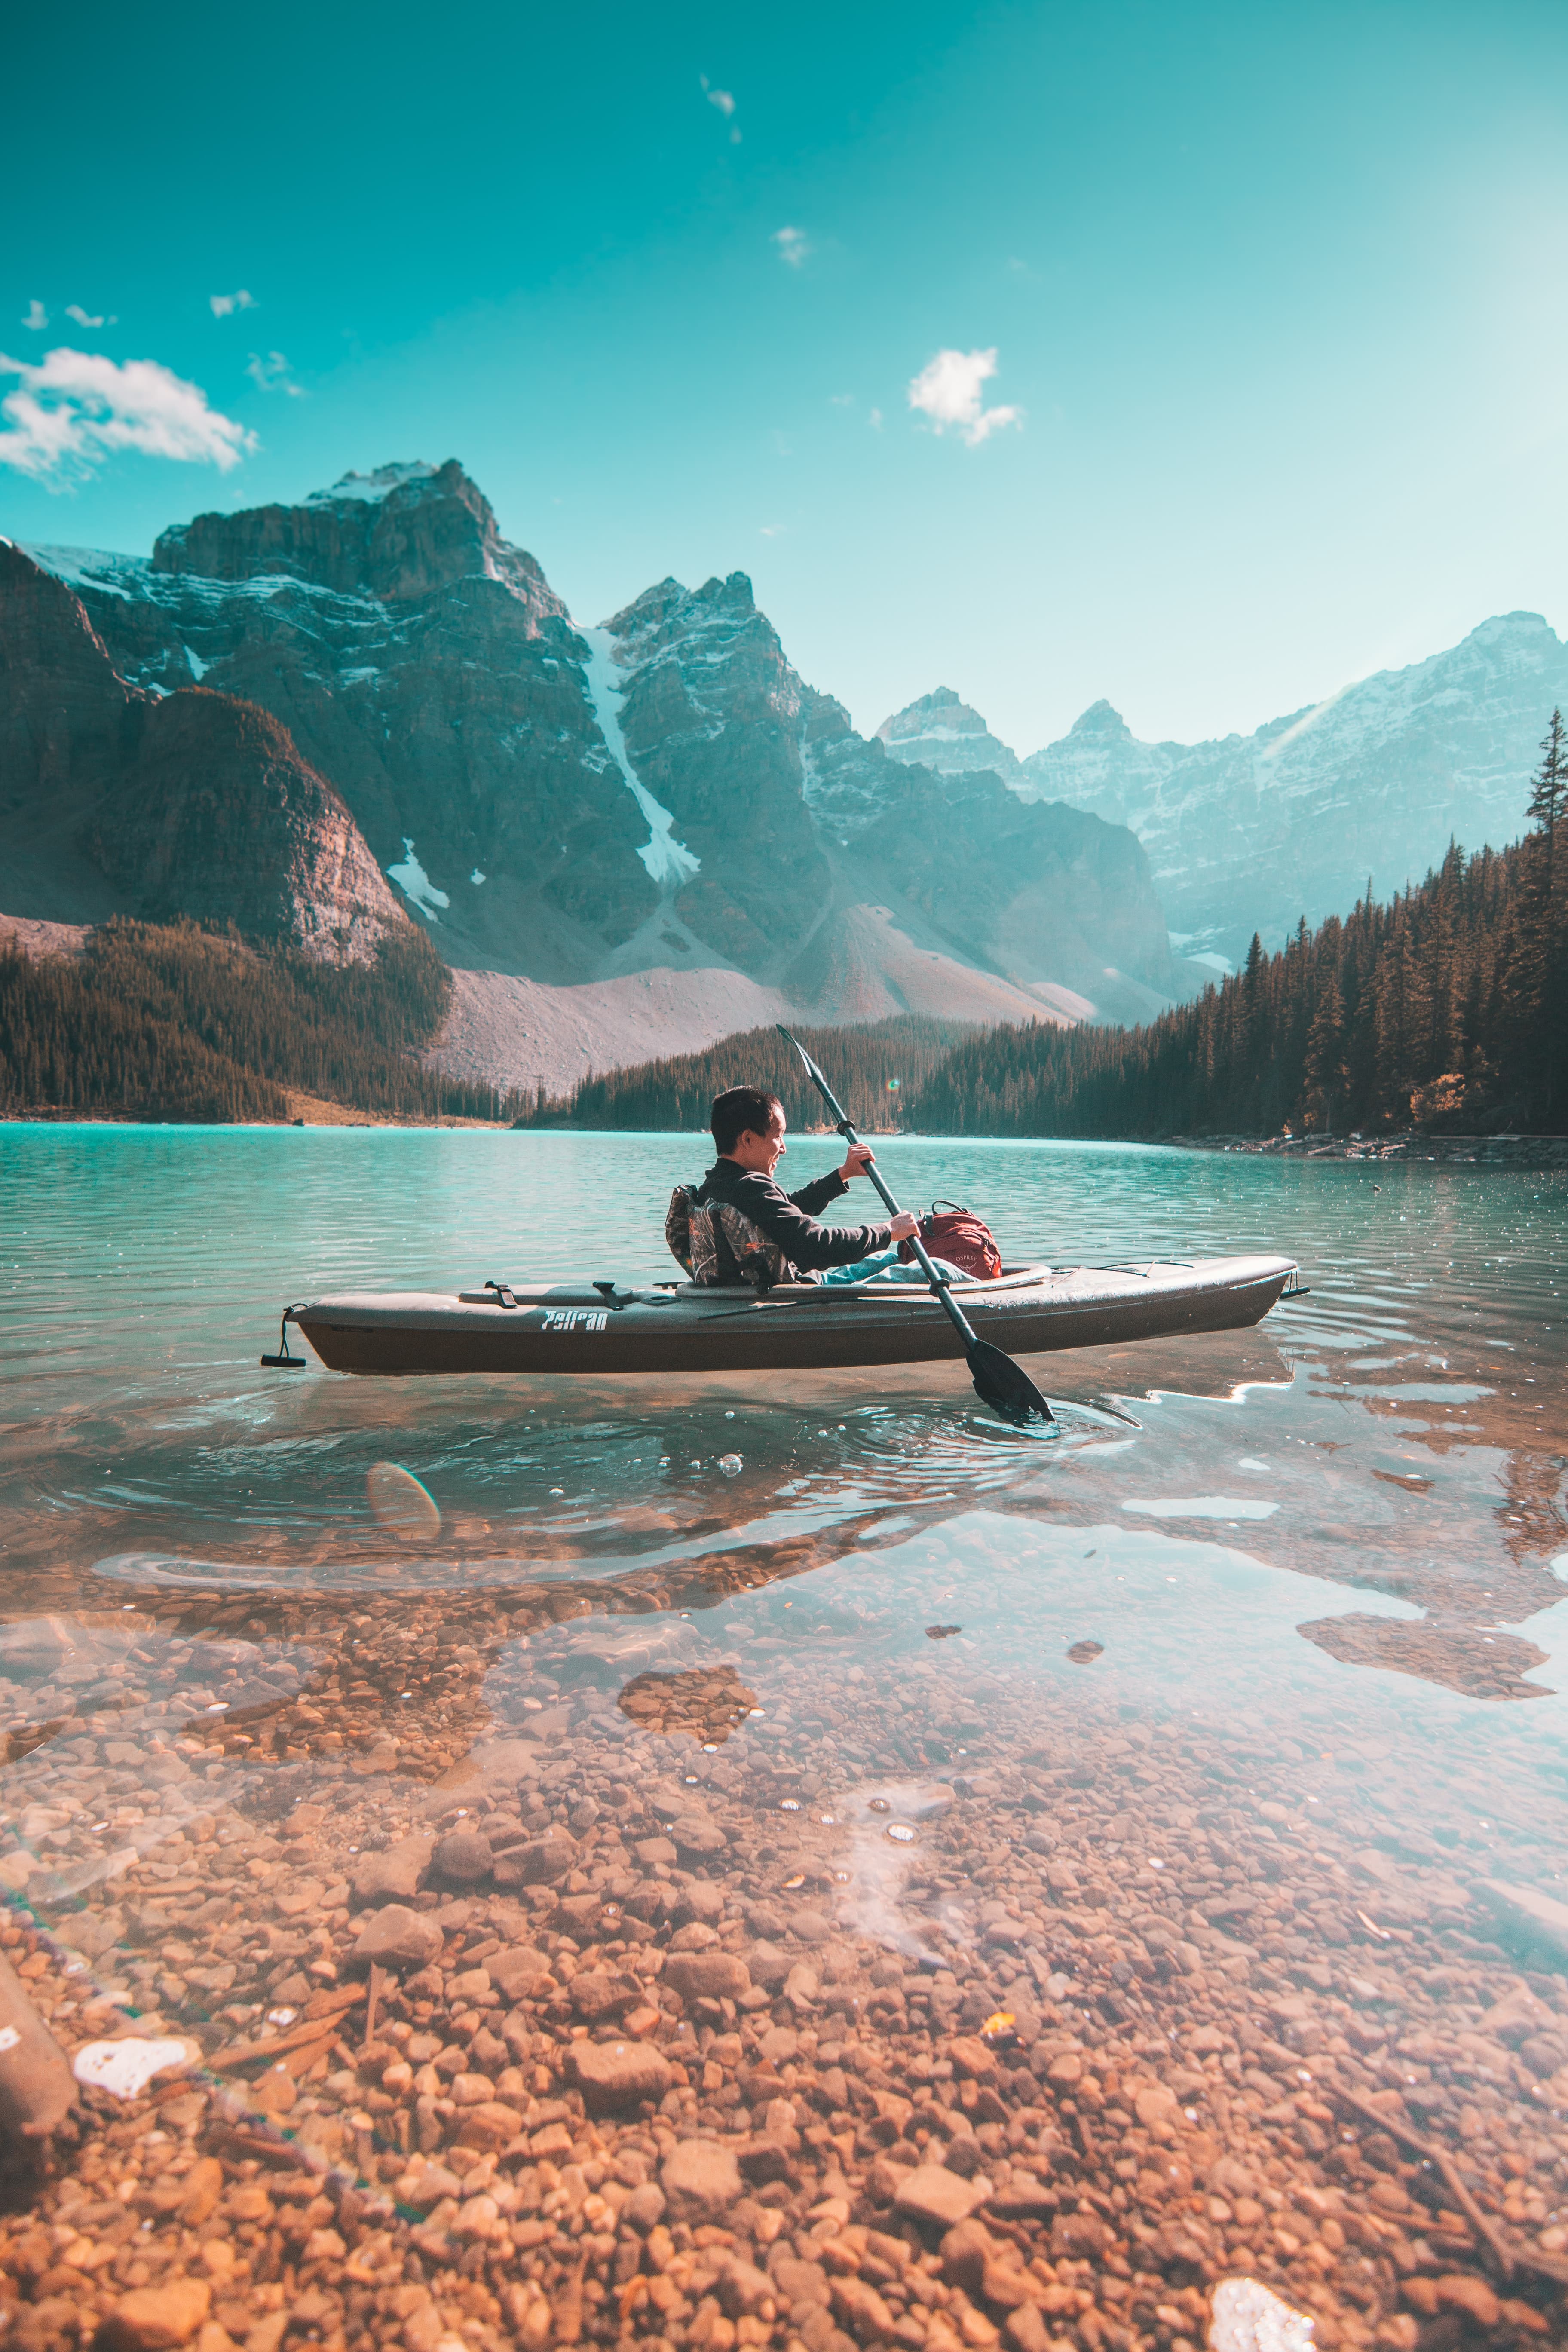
[[1339, 1537]]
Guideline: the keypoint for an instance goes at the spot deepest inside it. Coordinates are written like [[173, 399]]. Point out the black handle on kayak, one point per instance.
[[998, 1380]]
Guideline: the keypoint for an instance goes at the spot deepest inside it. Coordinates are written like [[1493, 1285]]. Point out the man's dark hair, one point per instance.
[[742, 1108]]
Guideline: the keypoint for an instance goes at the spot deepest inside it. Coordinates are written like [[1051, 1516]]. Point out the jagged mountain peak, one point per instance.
[[944, 733], [669, 600], [401, 533], [374, 487], [940, 713], [1101, 718], [1512, 625], [733, 590]]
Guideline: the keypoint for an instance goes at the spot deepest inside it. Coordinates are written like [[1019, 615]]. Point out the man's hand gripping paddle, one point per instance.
[[998, 1380]]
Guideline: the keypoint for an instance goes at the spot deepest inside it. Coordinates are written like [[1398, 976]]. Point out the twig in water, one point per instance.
[[1505, 2256], [378, 1980]]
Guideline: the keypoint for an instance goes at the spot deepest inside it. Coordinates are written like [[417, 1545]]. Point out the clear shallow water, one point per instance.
[[1338, 1540]]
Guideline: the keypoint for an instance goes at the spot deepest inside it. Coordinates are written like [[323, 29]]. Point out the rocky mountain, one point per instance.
[[807, 839], [222, 819], [194, 802], [1253, 832], [625, 839], [941, 732]]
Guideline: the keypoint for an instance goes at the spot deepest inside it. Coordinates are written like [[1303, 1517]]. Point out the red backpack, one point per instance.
[[959, 1236]]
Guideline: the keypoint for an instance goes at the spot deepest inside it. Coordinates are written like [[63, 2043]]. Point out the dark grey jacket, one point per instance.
[[786, 1222]]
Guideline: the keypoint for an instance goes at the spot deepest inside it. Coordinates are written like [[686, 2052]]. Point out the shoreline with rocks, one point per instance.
[[1413, 1145]]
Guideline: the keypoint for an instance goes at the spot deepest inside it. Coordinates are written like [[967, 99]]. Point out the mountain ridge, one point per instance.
[[590, 822], [191, 803], [1253, 832]]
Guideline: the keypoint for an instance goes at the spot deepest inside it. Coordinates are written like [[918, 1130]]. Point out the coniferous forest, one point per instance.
[[177, 1021], [872, 1069]]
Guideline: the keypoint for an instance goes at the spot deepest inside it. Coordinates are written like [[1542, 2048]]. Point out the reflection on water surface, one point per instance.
[[1184, 1735]]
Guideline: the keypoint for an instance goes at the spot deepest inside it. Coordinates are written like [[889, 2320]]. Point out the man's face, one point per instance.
[[759, 1155]]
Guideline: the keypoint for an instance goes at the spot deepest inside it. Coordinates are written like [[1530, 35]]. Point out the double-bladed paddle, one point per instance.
[[998, 1380]]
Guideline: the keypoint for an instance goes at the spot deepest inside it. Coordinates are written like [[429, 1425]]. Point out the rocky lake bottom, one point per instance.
[[819, 1869]]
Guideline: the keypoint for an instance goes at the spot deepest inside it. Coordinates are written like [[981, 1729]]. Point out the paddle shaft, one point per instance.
[[940, 1290]]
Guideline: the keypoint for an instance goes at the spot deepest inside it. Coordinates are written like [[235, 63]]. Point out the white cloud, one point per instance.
[[37, 318], [947, 390], [875, 420], [269, 372], [74, 310], [724, 99], [841, 400], [223, 305], [793, 244], [74, 408]]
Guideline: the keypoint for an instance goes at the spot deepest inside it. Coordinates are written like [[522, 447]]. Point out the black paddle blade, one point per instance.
[[1004, 1386]]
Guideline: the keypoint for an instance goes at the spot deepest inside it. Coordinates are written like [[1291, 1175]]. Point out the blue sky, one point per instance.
[[1274, 296]]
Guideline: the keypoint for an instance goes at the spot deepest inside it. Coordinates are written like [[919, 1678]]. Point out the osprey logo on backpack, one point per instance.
[[958, 1236]]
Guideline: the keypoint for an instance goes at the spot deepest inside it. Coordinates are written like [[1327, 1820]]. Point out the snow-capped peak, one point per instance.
[[372, 488]]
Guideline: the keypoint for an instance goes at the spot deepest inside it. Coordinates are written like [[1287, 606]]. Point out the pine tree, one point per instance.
[[1545, 980], [1325, 1065], [1549, 785]]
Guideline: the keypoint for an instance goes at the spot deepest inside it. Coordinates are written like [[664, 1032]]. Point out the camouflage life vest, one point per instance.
[[715, 1244]]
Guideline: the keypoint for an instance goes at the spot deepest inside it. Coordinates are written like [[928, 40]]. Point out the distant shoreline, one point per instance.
[[1412, 1147]]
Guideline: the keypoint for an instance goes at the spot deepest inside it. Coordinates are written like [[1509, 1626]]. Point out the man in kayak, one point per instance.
[[741, 1226]]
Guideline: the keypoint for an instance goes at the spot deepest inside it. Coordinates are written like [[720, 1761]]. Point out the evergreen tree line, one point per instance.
[[1448, 1008], [183, 1022], [872, 1070]]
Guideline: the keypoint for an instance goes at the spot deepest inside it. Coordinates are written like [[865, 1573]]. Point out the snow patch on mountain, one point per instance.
[[670, 862], [416, 884], [374, 487], [91, 567]]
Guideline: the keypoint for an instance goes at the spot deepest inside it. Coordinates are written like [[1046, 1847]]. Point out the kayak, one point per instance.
[[599, 1326]]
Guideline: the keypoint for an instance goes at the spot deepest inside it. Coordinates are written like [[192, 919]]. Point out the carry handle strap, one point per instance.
[[285, 1360]]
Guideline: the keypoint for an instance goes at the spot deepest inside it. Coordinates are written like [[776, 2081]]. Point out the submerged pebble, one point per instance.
[[125, 2067], [1249, 2318], [558, 2028]]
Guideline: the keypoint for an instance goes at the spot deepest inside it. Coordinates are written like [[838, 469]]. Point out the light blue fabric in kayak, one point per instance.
[[886, 1266]]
